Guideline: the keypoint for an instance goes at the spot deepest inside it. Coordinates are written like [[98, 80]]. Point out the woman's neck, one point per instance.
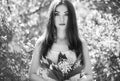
[[61, 35], [61, 41]]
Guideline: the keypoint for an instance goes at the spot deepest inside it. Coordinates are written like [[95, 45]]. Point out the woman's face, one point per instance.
[[61, 17]]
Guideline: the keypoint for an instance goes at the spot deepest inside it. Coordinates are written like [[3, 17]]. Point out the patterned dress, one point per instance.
[[53, 56]]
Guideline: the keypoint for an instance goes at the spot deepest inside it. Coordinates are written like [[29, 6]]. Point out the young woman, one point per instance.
[[61, 35]]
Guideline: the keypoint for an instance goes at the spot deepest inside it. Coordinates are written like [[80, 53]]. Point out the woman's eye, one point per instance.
[[66, 14], [56, 14]]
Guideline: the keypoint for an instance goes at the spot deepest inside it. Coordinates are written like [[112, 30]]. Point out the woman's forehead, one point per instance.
[[61, 7]]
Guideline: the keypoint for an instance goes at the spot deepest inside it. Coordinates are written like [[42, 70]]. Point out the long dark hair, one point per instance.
[[74, 42]]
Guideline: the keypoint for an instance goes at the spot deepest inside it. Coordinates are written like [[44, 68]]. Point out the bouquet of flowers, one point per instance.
[[63, 70]]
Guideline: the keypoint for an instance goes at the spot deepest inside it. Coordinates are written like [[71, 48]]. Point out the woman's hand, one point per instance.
[[75, 78], [50, 80], [67, 80], [85, 78]]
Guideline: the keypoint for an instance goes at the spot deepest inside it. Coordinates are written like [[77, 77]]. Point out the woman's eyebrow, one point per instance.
[[59, 12]]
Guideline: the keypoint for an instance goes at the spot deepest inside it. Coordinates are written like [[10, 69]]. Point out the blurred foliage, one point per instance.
[[22, 22], [102, 32]]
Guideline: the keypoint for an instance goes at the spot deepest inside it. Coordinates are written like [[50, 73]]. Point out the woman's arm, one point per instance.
[[88, 67], [35, 64]]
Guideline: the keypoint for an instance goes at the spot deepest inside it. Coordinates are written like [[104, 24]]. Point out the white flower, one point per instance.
[[64, 66]]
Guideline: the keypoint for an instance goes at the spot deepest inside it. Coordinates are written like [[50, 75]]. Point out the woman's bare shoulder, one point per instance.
[[84, 42], [39, 41]]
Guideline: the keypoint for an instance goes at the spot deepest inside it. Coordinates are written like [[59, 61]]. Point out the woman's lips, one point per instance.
[[62, 24]]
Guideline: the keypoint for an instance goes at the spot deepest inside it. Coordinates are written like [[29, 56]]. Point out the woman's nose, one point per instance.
[[62, 19]]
